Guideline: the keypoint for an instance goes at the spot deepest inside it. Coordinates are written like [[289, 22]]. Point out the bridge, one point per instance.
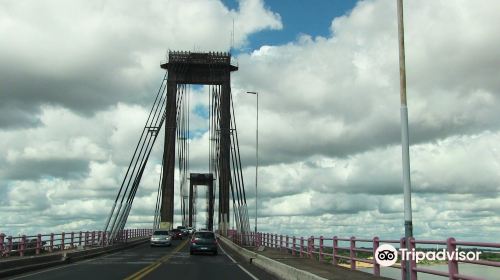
[[170, 109], [117, 252]]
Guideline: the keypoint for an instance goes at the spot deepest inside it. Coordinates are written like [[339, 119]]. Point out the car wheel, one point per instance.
[[215, 253], [191, 252]]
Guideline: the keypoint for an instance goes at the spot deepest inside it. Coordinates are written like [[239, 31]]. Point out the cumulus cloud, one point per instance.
[[341, 93], [87, 56], [332, 125]]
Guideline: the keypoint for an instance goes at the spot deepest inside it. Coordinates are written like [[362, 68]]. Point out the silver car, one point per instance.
[[161, 238]]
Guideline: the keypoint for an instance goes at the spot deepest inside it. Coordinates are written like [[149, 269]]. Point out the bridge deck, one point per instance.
[[143, 262]]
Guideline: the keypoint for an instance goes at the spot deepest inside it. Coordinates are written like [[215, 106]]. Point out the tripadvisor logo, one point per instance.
[[387, 255]]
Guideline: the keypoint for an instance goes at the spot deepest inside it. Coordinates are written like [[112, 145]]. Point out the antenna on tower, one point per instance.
[[232, 38]]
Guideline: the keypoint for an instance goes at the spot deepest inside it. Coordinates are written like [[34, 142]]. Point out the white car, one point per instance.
[[161, 238]]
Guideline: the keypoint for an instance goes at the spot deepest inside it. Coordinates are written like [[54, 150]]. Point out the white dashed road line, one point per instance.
[[241, 267]]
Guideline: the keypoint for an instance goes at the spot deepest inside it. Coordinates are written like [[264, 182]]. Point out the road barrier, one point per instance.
[[338, 252], [276, 268], [47, 243]]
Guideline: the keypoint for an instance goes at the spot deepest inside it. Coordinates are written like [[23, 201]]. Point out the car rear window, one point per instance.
[[160, 232], [204, 235]]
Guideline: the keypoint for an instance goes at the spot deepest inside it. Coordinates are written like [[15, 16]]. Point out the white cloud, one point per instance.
[[87, 56], [330, 114]]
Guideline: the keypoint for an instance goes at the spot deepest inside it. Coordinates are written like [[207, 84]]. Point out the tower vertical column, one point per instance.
[[225, 150], [167, 184], [191, 198], [211, 204]]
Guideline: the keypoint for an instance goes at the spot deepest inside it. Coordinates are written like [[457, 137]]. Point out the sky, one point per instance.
[[77, 79]]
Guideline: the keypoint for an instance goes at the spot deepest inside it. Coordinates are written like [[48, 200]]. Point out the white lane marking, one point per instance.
[[241, 267]]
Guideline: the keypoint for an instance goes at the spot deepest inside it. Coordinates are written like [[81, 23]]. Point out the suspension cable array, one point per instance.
[[214, 136], [237, 186], [182, 138], [123, 203], [183, 149]]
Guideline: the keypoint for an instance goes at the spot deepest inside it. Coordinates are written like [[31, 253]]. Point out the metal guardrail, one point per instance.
[[53, 242], [315, 248]]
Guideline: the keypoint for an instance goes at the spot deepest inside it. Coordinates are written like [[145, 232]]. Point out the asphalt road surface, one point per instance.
[[144, 262]]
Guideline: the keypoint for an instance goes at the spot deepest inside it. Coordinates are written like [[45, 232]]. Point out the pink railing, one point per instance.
[[250, 239], [315, 248], [42, 243]]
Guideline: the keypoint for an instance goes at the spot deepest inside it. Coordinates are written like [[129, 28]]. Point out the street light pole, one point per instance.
[[256, 155], [405, 136]]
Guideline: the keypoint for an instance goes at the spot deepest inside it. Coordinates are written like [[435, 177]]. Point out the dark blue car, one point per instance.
[[203, 241]]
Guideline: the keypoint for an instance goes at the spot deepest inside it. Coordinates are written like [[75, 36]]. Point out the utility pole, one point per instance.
[[256, 155], [405, 136]]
